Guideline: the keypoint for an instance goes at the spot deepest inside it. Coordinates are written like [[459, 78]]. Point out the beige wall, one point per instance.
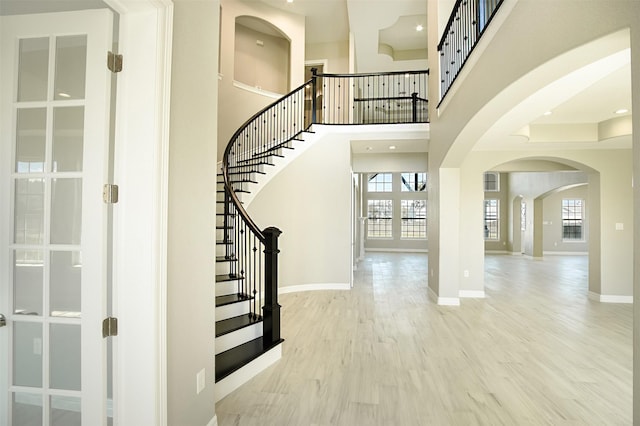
[[552, 237], [487, 90], [310, 202], [335, 53], [191, 226], [238, 104], [261, 60]]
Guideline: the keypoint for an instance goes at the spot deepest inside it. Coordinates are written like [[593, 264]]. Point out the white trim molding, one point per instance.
[[257, 90], [396, 250], [565, 253], [443, 301], [610, 298], [471, 294], [239, 377], [314, 287], [213, 421]]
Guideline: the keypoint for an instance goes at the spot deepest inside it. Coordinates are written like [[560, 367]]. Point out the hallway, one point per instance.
[[535, 351]]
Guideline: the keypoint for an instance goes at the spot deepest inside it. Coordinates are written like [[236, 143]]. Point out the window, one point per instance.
[[491, 219], [414, 219], [380, 214], [572, 217], [414, 182], [379, 182], [523, 215], [492, 181]]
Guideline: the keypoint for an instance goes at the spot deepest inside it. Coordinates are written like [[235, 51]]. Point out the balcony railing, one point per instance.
[[466, 25]]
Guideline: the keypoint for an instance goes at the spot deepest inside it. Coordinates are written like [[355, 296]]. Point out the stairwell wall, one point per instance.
[[236, 104], [310, 202]]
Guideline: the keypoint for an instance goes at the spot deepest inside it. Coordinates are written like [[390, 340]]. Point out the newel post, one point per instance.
[[271, 308], [314, 101], [414, 104]]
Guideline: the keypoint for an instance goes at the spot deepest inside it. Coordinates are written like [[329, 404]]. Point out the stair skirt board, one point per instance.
[[314, 287], [238, 337], [242, 375]]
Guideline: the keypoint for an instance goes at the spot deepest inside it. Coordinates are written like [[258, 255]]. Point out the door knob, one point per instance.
[[3, 321]]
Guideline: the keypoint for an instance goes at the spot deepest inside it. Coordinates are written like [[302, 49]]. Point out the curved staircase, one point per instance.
[[247, 310]]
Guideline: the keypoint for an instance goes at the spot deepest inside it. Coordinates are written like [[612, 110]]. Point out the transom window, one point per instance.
[[379, 182], [492, 181], [572, 219], [491, 219], [414, 182], [380, 215], [414, 219]]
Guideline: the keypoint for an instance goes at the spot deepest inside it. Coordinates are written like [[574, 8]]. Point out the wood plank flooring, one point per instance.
[[535, 351]]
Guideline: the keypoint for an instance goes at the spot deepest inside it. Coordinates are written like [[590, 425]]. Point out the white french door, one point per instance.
[[54, 142]]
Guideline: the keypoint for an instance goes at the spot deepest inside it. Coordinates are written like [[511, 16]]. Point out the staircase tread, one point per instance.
[[225, 242], [235, 358], [229, 299], [228, 277], [232, 324], [221, 259]]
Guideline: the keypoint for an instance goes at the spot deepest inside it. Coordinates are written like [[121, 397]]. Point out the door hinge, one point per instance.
[[110, 193], [114, 62], [110, 327]]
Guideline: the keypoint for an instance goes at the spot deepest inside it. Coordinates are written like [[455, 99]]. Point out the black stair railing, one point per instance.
[[466, 25], [389, 98]]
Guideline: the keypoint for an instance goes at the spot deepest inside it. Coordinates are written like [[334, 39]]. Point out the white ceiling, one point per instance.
[[332, 20]]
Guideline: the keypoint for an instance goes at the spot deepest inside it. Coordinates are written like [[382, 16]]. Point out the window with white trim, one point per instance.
[[491, 219], [413, 214], [379, 182], [491, 181], [572, 219], [380, 218], [413, 182]]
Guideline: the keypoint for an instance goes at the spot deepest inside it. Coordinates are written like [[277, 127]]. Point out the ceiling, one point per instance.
[[385, 34]]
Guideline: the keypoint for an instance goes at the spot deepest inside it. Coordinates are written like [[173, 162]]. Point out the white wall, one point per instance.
[[310, 202], [192, 204]]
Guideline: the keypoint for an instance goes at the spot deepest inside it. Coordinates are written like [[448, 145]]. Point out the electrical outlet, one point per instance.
[[466, 273], [200, 381]]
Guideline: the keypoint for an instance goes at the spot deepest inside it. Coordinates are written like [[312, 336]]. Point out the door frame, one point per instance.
[[140, 217]]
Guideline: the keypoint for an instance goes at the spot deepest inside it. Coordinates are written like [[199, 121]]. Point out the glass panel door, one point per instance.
[[53, 148]]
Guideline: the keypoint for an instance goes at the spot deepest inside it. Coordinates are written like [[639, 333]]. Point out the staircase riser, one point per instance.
[[238, 337], [229, 311], [227, 287], [233, 381], [221, 250], [223, 268]]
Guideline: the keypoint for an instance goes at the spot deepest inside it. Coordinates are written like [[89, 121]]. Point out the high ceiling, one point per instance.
[[383, 30]]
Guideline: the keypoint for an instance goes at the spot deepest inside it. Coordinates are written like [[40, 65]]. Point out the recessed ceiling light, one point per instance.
[[622, 111], [289, 1], [392, 147], [419, 27], [547, 113]]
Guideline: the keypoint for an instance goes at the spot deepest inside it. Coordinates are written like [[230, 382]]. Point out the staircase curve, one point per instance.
[[247, 309]]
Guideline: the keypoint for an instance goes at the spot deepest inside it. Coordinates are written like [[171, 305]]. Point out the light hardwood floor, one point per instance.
[[535, 351]]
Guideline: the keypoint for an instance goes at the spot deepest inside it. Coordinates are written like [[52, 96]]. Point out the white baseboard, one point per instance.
[[239, 377], [610, 298], [396, 250], [565, 253], [472, 294], [496, 251], [443, 301], [314, 287], [213, 421]]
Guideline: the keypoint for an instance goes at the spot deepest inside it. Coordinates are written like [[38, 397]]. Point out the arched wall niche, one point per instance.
[[262, 55]]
